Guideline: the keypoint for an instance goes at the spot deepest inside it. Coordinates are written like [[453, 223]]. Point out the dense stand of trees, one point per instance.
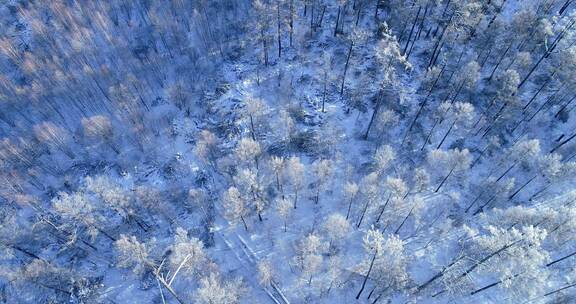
[[384, 148]]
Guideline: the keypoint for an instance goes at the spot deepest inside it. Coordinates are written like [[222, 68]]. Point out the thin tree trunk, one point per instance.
[[446, 135], [349, 208], [429, 135], [561, 259], [346, 67], [506, 172], [291, 22], [358, 14], [376, 108], [244, 222], [499, 62], [549, 51], [337, 21], [253, 133], [363, 214], [412, 30], [383, 208], [522, 187], [278, 32], [538, 92], [404, 221], [423, 103], [563, 143], [325, 90], [444, 180], [367, 274]]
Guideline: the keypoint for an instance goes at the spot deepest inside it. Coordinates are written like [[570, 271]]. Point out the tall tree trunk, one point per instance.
[[444, 180], [538, 91], [291, 22], [295, 198], [349, 208], [446, 135], [429, 135], [244, 222], [376, 109], [325, 90], [278, 31], [265, 46], [367, 274], [521, 187], [363, 213], [346, 67], [358, 13], [411, 30], [559, 38], [563, 143], [424, 103], [337, 21], [383, 208], [500, 61], [404, 221]]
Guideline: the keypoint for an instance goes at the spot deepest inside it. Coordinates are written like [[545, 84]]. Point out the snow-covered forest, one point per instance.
[[287, 151]]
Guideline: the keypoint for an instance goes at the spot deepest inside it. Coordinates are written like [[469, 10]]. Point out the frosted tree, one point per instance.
[[386, 121], [506, 92], [311, 265], [114, 196], [396, 189], [461, 115], [188, 255], [250, 185], [295, 175], [336, 227], [525, 153], [323, 171], [390, 265], [99, 127], [519, 260], [77, 209], [356, 37], [213, 290], [373, 243], [54, 137], [248, 151], [283, 128], [467, 78], [421, 179], [350, 192], [263, 25], [454, 160], [180, 95], [265, 274], [309, 256], [133, 254], [383, 158], [284, 209], [207, 147], [255, 108], [507, 85], [334, 273], [311, 244], [550, 165], [340, 15], [234, 207], [370, 193], [277, 163], [389, 56]]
